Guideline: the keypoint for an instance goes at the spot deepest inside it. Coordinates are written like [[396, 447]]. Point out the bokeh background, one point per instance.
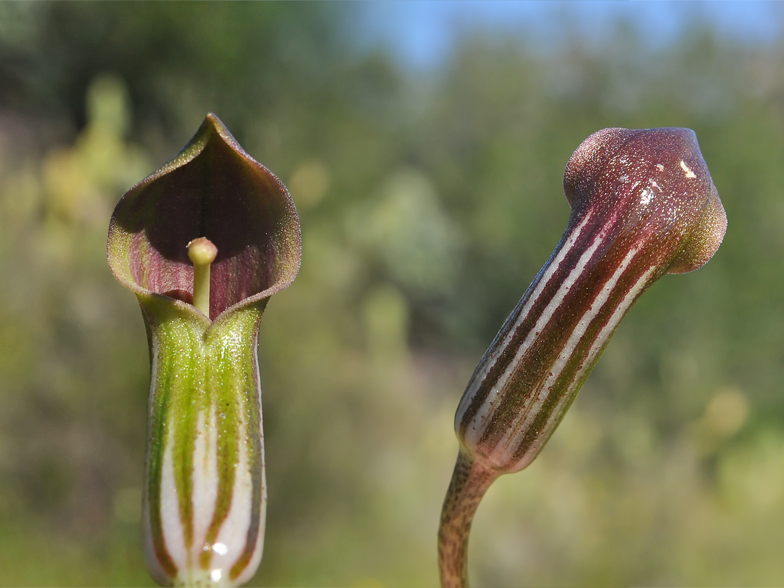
[[424, 145]]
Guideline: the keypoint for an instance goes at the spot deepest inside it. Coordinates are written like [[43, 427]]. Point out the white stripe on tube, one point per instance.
[[598, 344], [479, 423], [514, 433], [543, 280]]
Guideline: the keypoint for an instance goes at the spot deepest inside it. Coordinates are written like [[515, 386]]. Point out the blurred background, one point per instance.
[[424, 145]]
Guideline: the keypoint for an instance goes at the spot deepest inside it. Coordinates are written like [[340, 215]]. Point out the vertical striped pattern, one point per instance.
[[551, 341], [639, 210], [205, 494], [642, 204], [514, 323]]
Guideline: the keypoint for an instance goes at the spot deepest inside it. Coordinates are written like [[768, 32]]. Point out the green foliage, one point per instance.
[[668, 468]]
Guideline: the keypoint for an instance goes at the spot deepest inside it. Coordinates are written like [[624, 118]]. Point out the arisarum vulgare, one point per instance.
[[203, 243], [643, 205]]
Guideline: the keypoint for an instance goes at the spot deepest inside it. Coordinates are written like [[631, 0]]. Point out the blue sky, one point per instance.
[[420, 34]]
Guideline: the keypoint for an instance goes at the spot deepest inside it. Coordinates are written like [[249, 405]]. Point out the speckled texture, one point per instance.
[[212, 189], [209, 372], [643, 204], [470, 481], [658, 177], [205, 495]]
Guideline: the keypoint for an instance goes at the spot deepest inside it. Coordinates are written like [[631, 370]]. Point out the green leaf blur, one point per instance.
[[427, 206]]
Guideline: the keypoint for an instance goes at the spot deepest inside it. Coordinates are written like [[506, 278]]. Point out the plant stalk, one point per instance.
[[470, 481]]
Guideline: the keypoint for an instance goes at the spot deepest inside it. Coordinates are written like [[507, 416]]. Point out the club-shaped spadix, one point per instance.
[[203, 243]]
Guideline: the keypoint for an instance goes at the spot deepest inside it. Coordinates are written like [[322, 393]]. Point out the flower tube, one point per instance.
[[643, 204], [203, 243]]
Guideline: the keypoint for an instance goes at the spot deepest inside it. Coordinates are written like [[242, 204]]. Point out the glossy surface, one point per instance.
[[643, 204], [205, 494]]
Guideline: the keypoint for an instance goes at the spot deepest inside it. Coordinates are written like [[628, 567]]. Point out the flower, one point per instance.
[[205, 494], [643, 205]]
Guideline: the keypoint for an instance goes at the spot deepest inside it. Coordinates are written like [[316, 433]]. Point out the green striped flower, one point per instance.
[[203, 243], [643, 205]]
